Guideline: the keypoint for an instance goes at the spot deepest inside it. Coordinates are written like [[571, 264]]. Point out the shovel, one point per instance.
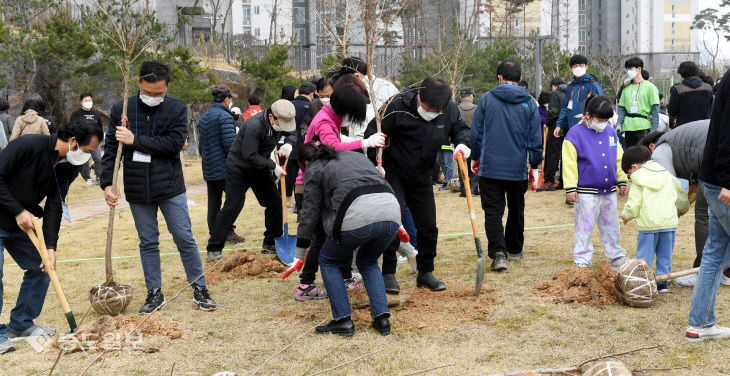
[[40, 244], [541, 178], [473, 218], [287, 244]]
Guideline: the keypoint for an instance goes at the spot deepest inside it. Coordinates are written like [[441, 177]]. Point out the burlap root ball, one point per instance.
[[635, 284], [110, 299], [454, 185], [608, 368]]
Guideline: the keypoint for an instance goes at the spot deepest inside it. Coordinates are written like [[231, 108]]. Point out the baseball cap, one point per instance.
[[466, 91], [307, 88], [222, 91], [284, 111]]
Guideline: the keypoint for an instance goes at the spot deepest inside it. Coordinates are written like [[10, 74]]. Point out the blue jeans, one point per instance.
[[175, 211], [659, 243], [33, 289], [410, 226], [445, 159], [373, 240], [715, 259]]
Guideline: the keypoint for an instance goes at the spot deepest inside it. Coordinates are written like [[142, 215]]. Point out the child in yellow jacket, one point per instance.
[[656, 200]]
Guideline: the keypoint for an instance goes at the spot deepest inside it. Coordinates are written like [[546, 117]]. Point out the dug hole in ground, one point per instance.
[[509, 327]]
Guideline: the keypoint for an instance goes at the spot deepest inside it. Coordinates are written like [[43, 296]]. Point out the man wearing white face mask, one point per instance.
[[417, 122], [34, 168], [87, 112], [582, 87], [153, 179], [638, 107]]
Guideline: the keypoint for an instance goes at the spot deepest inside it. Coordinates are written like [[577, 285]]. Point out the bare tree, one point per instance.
[[336, 17], [219, 8], [709, 20]]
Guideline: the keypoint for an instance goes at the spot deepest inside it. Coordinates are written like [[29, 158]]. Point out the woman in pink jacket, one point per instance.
[[348, 103]]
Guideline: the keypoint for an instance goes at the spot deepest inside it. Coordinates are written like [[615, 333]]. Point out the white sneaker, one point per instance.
[[89, 181], [725, 281], [412, 261], [686, 281], [402, 259], [616, 263], [701, 334]]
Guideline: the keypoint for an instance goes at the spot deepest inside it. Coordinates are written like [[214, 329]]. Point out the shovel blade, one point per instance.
[[480, 266], [286, 246]]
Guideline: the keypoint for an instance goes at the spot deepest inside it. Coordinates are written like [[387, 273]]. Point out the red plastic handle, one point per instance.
[[297, 267]]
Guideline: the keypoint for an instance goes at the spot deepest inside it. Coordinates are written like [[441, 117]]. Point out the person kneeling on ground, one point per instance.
[[358, 209], [34, 168]]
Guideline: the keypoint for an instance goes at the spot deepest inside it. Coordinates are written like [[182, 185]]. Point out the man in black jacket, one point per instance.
[[553, 145], [417, 122], [87, 112], [301, 103], [34, 168], [153, 179], [251, 164], [691, 99]]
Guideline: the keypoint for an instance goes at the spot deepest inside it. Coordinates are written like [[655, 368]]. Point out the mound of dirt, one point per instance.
[[240, 264], [118, 333], [420, 308], [581, 285]]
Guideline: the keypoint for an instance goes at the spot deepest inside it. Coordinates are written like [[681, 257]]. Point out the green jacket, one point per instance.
[[652, 193]]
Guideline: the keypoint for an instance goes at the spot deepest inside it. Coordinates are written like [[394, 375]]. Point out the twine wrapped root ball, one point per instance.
[[636, 284], [608, 368], [110, 298], [454, 185]]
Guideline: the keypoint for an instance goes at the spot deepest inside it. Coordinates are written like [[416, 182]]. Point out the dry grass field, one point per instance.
[[508, 329]]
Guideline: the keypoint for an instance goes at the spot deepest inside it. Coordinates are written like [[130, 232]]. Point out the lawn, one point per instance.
[[257, 317]]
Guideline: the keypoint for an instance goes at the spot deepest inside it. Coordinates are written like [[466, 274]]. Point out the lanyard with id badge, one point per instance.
[[634, 100], [138, 156], [64, 206]]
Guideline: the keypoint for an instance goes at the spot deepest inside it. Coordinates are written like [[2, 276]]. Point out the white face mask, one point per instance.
[[631, 73], [427, 115], [77, 157], [87, 105], [598, 127], [579, 72], [324, 100], [151, 101]]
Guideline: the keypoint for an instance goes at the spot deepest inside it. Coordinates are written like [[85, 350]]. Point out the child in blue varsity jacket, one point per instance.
[[592, 176]]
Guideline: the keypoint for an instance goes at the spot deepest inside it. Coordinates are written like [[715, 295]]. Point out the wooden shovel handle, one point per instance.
[[467, 190], [666, 277], [40, 243]]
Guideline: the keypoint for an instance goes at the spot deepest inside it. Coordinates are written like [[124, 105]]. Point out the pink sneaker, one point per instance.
[[309, 292], [351, 284]]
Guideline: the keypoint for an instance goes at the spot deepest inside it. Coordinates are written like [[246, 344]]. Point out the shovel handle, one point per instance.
[[40, 243], [682, 273], [467, 190], [282, 183]]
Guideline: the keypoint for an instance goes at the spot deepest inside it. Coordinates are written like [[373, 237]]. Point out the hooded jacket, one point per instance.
[[217, 132], [655, 198], [29, 123], [689, 100], [575, 95], [160, 132], [412, 142], [505, 132]]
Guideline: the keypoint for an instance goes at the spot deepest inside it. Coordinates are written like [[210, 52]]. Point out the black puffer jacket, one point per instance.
[[160, 132], [689, 101], [251, 150], [412, 142], [688, 145]]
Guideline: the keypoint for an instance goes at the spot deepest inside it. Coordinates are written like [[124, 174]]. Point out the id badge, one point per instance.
[[66, 214], [141, 157], [570, 104], [634, 109]]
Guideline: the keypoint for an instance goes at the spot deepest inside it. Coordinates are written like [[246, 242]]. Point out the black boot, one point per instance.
[[202, 299], [268, 247], [382, 324], [391, 284], [342, 327], [232, 237], [155, 298], [427, 279]]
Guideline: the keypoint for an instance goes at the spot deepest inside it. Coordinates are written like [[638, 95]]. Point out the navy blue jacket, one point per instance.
[[505, 129], [575, 95], [217, 132]]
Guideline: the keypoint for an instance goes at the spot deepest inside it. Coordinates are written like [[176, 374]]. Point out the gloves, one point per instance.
[[375, 141], [278, 171], [475, 167], [534, 179], [403, 235], [295, 267], [463, 149], [285, 150]]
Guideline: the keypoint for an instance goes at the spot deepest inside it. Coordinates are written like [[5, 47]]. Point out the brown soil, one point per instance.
[[581, 285], [118, 333], [420, 308], [241, 264]]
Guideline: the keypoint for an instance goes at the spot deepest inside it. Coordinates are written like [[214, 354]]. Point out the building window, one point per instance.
[[581, 36], [582, 20], [257, 32], [246, 16], [672, 45], [674, 11], [299, 17], [247, 32], [582, 5], [582, 49], [600, 34], [600, 4], [517, 27], [256, 10], [299, 34], [673, 28]]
